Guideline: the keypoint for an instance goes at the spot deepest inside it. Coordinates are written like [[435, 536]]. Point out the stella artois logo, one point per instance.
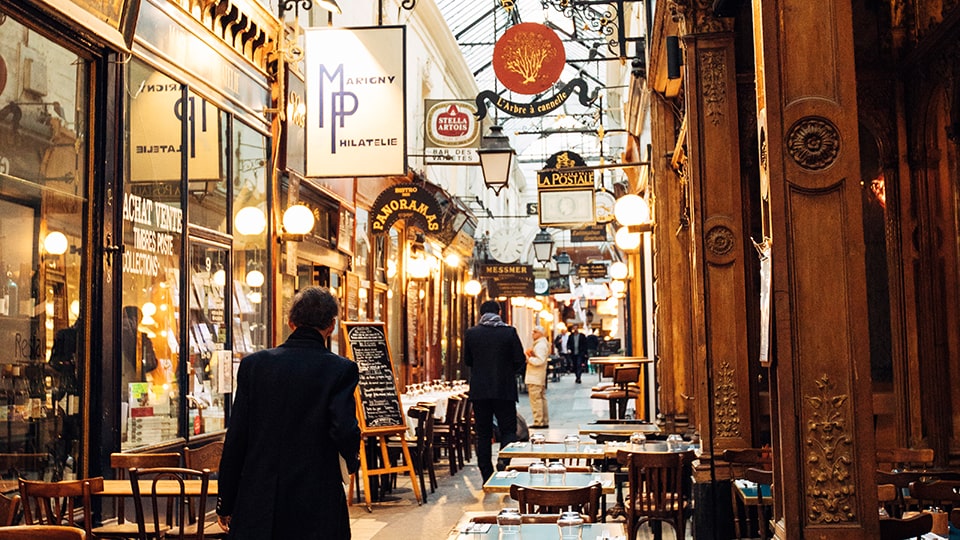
[[528, 58]]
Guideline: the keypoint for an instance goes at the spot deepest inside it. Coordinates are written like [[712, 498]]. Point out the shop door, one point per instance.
[[209, 370]]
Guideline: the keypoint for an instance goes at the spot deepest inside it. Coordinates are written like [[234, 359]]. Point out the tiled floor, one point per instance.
[[402, 519]]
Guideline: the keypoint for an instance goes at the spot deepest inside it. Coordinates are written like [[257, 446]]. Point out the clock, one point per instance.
[[506, 245], [604, 202]]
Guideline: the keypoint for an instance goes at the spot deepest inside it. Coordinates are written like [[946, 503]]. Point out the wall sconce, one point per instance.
[[564, 263], [633, 213], [543, 246], [618, 270], [617, 287], [472, 287], [674, 60], [418, 267], [453, 259], [220, 276], [255, 278], [298, 221], [496, 158], [56, 243], [250, 221]]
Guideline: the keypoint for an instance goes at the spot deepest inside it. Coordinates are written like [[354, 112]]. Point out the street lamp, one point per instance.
[[297, 221], [543, 246], [496, 158], [564, 263]]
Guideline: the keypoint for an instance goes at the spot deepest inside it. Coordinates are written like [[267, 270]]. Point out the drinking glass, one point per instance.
[[571, 443], [571, 525], [538, 473], [674, 442], [537, 439], [556, 474], [638, 439], [508, 523]]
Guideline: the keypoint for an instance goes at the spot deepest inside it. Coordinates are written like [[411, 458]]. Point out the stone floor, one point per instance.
[[402, 519]]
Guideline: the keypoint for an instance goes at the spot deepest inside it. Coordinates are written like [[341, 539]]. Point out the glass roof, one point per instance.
[[476, 25]]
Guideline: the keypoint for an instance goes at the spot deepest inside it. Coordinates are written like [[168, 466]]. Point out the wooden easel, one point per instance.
[[365, 469]]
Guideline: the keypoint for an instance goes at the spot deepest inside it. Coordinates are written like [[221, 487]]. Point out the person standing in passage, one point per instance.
[[577, 350], [294, 416], [560, 346], [494, 353], [536, 378]]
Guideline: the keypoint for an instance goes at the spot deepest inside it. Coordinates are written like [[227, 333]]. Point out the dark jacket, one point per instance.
[[293, 414], [495, 356]]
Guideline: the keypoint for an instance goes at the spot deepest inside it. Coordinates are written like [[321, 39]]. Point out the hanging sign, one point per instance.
[[452, 132], [592, 270], [510, 280], [590, 233], [410, 202], [565, 197], [535, 108], [356, 102]]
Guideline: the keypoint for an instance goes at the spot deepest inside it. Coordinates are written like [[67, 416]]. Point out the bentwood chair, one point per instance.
[[121, 463], [203, 457], [41, 532], [904, 458], [761, 478], [899, 481], [186, 522], [549, 500], [446, 435], [420, 446], [659, 489], [59, 503], [9, 509], [942, 493], [901, 529], [738, 461]]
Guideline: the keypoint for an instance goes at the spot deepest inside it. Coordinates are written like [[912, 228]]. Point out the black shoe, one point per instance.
[[540, 426], [578, 381]]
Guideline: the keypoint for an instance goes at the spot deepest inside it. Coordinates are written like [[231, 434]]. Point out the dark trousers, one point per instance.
[[578, 361], [483, 412]]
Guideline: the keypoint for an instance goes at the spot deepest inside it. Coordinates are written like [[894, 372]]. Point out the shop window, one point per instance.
[[44, 103], [210, 367]]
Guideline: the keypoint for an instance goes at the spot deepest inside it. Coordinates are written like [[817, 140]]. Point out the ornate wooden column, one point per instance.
[[807, 101]]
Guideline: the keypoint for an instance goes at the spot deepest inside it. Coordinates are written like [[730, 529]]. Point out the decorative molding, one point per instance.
[[726, 402], [720, 241], [830, 490], [813, 143], [696, 17], [713, 72]]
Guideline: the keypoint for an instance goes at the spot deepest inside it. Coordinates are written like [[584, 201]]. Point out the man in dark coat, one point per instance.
[[294, 416], [493, 351], [577, 349]]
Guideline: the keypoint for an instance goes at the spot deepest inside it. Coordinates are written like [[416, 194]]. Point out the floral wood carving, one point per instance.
[[726, 399], [714, 74], [813, 143], [720, 241], [830, 493]]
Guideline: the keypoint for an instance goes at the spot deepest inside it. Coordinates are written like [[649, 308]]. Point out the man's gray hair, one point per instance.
[[314, 307], [540, 329]]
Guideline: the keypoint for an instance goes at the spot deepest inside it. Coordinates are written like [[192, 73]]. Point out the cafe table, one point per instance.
[[166, 488], [618, 360], [551, 450], [501, 481], [465, 530], [618, 429]]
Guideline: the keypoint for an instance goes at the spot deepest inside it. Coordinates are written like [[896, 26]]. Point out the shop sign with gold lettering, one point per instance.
[[565, 197], [409, 202], [592, 271], [508, 279], [590, 233]]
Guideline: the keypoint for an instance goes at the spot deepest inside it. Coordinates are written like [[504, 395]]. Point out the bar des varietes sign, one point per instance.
[[452, 132], [508, 280], [356, 101]]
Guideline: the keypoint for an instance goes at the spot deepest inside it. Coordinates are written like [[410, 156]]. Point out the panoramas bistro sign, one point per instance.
[[452, 132], [553, 177], [508, 279], [409, 202]]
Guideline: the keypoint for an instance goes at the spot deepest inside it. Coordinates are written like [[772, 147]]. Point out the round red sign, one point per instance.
[[528, 58]]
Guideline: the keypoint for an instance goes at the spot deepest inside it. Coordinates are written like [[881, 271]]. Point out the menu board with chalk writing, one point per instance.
[[377, 393]]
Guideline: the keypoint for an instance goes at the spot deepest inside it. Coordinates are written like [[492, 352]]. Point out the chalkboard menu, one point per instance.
[[380, 408]]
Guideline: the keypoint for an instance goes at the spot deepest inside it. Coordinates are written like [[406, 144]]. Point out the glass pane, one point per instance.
[[42, 208], [210, 372], [252, 278], [152, 229], [206, 142]]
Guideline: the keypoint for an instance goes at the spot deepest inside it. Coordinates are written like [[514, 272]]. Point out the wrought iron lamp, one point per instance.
[[543, 246], [564, 263], [496, 158]]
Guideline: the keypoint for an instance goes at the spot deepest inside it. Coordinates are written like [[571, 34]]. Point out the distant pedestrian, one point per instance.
[[536, 377], [293, 418], [577, 350], [493, 351]]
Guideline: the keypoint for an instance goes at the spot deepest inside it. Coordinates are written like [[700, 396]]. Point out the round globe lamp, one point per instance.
[[298, 221], [250, 221], [472, 287], [631, 210], [55, 243], [618, 270], [626, 240]]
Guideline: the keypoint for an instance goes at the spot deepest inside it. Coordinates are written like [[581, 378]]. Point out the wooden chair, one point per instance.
[[58, 503], [619, 396], [904, 458], [419, 446], [9, 509], [901, 529], [202, 457], [955, 518], [942, 493], [585, 500], [761, 477], [738, 461], [466, 429], [41, 532], [445, 434], [900, 482], [183, 523], [121, 463], [659, 489]]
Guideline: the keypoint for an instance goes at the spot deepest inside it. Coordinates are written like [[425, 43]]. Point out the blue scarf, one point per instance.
[[492, 319]]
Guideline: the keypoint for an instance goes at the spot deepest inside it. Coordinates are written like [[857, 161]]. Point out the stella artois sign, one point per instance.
[[452, 132]]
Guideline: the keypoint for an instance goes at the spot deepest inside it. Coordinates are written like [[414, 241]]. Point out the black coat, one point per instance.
[[293, 414], [495, 356]]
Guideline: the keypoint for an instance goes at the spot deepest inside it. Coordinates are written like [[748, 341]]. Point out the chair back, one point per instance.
[[161, 484], [659, 484], [57, 503], [122, 462], [942, 493], [624, 375], [9, 507], [901, 529], [41, 532], [904, 458], [202, 457], [585, 500]]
